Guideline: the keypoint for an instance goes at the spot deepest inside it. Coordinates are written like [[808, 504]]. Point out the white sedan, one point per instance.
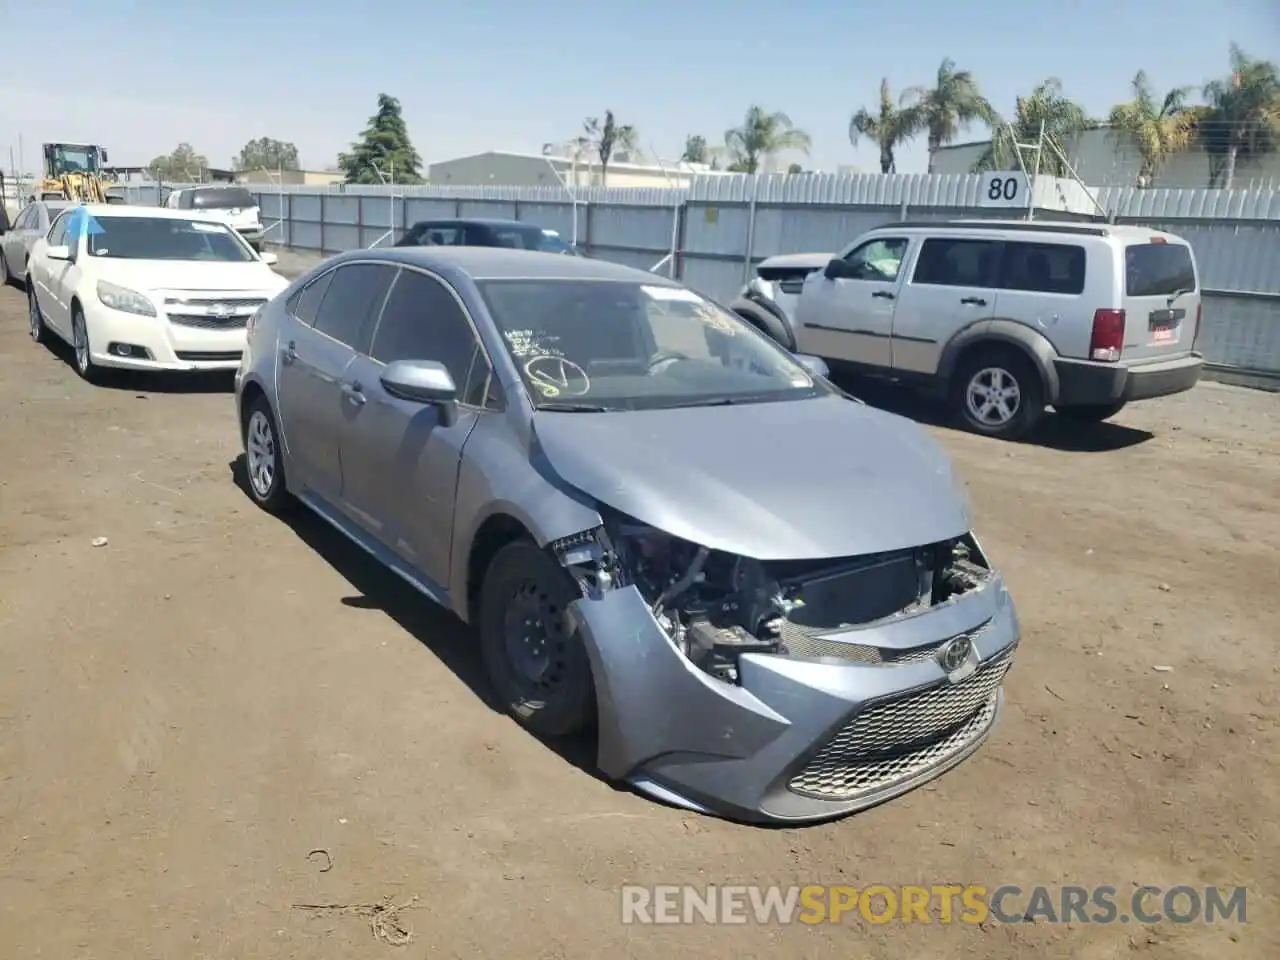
[[145, 288]]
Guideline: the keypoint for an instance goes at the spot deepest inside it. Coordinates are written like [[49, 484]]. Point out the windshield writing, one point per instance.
[[156, 238], [636, 346]]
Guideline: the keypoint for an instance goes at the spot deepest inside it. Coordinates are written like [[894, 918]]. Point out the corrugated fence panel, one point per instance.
[[632, 228], [717, 229], [718, 279], [554, 216], [505, 210], [420, 208], [1241, 332]]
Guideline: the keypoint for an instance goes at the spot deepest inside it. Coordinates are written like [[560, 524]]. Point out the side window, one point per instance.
[[305, 304], [353, 296], [878, 259], [185, 199], [25, 219], [1043, 267], [422, 320], [949, 262], [58, 232], [443, 236]]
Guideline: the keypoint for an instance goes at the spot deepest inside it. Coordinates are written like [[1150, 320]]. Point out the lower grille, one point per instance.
[[895, 740], [196, 356]]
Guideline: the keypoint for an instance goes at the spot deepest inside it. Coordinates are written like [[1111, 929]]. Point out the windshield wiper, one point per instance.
[[1180, 292], [567, 407]]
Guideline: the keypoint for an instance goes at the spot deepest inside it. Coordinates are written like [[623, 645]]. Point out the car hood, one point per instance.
[[828, 477], [191, 275], [797, 261]]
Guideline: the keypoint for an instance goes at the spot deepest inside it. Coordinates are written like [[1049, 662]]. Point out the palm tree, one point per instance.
[[890, 127], [606, 136], [761, 136], [1156, 127], [1243, 119], [1047, 110], [695, 149], [949, 106]]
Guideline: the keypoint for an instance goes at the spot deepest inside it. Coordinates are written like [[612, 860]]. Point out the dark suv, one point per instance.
[[485, 233]]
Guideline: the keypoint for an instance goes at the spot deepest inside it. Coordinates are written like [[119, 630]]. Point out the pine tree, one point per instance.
[[385, 148]]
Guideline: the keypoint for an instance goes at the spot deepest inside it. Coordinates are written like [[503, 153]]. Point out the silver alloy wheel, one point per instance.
[[33, 313], [993, 396], [80, 336], [260, 454]]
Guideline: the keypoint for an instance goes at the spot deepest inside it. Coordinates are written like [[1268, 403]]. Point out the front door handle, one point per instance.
[[354, 393], [289, 353], [883, 294], [976, 301]]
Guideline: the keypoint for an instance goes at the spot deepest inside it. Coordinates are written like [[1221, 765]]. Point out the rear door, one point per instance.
[[1161, 300], [952, 286], [1042, 284]]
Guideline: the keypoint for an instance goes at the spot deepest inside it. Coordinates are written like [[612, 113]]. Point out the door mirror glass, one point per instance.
[[59, 252], [423, 381]]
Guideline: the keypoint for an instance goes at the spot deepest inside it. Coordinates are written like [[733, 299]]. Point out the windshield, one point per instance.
[[626, 346], [222, 198], [532, 238], [157, 238]]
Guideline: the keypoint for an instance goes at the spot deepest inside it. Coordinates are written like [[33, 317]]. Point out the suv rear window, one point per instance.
[[1158, 269], [222, 198]]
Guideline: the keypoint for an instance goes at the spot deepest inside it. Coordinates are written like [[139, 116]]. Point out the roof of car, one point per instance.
[[504, 263], [481, 221], [138, 210], [1068, 227]]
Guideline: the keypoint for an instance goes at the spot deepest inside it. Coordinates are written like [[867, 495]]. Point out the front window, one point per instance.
[[532, 238], [163, 238], [627, 346], [69, 158]]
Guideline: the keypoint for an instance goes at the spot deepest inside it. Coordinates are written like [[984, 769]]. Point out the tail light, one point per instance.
[[1196, 338], [1108, 335]]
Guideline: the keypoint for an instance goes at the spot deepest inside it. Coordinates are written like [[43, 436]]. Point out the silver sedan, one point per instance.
[[763, 594]]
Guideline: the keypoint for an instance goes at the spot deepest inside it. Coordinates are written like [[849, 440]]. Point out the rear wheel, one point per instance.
[[1091, 412], [535, 659], [998, 392], [263, 458]]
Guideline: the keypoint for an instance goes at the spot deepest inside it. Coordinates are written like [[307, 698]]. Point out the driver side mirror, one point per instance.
[[60, 252], [837, 269], [423, 381]]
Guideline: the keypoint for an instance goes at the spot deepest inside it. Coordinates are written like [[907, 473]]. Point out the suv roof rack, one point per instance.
[[1017, 226]]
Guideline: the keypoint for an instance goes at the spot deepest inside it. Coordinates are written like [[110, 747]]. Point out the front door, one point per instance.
[[851, 318], [400, 461], [952, 286], [313, 358]]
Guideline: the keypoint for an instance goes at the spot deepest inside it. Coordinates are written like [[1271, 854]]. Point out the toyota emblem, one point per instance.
[[955, 653]]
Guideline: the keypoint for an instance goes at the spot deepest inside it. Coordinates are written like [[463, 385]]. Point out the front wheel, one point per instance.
[[89, 371], [39, 332], [534, 657], [998, 393], [1091, 412], [6, 277]]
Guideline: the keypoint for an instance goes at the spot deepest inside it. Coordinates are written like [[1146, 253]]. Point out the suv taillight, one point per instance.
[[1108, 335], [1196, 338]]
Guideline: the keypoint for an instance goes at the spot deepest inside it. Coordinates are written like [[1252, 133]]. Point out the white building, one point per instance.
[[578, 169], [1103, 160]]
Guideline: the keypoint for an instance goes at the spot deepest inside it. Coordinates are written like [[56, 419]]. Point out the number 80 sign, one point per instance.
[[1003, 188]]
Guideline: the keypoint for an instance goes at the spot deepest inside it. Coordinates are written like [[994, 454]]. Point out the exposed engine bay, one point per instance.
[[715, 606]]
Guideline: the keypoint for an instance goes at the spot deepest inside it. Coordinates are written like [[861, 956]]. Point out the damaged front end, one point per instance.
[[786, 690]]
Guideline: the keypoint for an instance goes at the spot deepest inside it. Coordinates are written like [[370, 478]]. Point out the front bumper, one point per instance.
[[1087, 383], [157, 344], [797, 740]]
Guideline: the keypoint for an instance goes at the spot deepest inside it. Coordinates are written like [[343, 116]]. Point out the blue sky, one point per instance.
[[498, 74]]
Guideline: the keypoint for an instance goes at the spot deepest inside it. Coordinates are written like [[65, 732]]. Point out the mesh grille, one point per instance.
[[899, 739]]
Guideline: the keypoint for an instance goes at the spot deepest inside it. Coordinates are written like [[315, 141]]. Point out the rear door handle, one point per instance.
[[289, 353], [883, 294], [354, 392], [976, 301]]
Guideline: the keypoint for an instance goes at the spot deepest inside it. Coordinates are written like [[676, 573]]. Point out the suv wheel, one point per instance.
[[534, 658], [1091, 412], [998, 392]]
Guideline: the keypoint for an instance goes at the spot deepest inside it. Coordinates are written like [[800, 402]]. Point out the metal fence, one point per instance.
[[712, 234]]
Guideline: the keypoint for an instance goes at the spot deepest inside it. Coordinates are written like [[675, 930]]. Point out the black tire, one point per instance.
[[264, 459], [1091, 412], [81, 359], [523, 604], [765, 322], [6, 278], [980, 366], [39, 331]]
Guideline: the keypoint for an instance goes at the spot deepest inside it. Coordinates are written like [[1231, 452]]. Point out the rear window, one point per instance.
[[1043, 267], [1158, 269], [222, 198]]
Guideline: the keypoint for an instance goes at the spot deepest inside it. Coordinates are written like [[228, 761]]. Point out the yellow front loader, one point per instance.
[[73, 171]]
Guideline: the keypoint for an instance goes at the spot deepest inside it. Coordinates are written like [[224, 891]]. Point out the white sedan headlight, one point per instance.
[[124, 299]]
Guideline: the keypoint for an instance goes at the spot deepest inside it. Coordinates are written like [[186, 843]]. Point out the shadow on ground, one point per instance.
[[1053, 432], [452, 642]]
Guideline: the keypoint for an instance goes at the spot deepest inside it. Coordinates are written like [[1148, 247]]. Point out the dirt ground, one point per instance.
[[190, 709]]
